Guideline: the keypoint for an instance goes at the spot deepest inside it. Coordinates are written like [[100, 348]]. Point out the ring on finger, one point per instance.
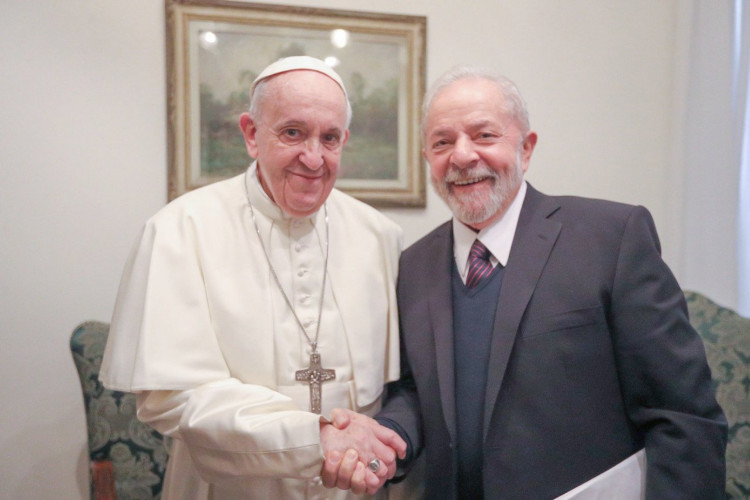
[[374, 464]]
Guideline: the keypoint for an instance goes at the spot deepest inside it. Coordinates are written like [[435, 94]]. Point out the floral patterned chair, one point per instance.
[[119, 444], [726, 336]]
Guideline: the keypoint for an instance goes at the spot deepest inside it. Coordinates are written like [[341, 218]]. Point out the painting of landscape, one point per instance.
[[369, 67]]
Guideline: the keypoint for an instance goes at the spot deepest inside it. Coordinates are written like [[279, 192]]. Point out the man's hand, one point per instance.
[[350, 443]]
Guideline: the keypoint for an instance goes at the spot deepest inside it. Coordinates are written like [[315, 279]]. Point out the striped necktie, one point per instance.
[[479, 264]]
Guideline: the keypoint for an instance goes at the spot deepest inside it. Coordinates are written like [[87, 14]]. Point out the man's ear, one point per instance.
[[527, 149], [346, 138], [249, 131]]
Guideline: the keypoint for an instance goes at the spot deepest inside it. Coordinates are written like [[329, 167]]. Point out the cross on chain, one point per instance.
[[315, 375]]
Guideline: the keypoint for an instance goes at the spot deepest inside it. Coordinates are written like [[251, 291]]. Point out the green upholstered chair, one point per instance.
[[117, 441], [726, 336]]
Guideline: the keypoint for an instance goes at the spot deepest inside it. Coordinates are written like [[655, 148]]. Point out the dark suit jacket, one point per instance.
[[592, 358]]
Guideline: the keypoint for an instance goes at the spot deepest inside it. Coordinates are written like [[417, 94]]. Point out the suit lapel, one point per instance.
[[533, 241], [441, 320]]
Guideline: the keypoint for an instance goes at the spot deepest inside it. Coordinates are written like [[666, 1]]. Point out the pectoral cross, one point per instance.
[[315, 375]]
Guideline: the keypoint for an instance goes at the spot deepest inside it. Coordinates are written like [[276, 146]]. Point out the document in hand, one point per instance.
[[624, 481]]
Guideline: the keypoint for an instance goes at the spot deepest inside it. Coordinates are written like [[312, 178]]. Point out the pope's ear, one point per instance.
[[346, 138], [249, 131]]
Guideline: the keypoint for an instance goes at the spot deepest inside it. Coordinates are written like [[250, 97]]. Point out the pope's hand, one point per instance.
[[350, 443]]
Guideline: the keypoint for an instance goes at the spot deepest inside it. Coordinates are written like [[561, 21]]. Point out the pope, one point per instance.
[[250, 308]]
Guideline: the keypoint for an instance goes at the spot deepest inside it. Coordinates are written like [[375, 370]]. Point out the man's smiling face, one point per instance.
[[298, 139], [476, 150]]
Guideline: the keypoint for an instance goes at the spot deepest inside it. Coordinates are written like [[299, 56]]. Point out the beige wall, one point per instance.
[[83, 163]]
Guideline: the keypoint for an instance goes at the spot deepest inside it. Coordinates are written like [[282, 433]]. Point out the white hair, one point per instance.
[[514, 102], [260, 93]]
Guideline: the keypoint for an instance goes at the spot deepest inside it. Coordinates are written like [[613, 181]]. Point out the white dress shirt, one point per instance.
[[497, 237]]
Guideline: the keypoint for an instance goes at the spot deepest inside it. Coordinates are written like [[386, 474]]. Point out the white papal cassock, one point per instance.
[[203, 335]]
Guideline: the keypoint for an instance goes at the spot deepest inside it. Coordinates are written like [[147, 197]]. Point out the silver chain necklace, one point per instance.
[[315, 374]]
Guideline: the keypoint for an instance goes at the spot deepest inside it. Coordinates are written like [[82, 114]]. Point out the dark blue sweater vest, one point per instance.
[[473, 317]]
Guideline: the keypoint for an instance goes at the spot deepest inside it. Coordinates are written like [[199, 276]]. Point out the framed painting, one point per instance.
[[216, 48]]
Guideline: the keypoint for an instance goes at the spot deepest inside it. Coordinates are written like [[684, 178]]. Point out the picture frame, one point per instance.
[[216, 48]]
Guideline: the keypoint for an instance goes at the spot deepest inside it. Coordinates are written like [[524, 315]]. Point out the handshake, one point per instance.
[[360, 454]]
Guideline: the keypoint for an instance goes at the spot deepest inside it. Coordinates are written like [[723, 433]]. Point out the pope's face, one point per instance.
[[298, 139], [476, 151]]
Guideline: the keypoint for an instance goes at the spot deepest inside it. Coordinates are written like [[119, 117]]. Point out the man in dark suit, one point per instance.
[[552, 362]]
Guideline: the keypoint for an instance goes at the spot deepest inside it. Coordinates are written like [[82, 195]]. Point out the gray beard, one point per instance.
[[477, 208]]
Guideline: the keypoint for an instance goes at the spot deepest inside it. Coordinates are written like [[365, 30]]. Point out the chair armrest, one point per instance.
[[103, 480]]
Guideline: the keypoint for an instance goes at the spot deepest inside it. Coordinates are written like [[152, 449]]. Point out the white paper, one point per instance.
[[624, 481]]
